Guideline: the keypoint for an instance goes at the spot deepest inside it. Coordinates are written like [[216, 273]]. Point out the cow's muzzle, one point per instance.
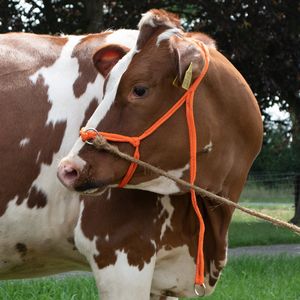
[[68, 173]]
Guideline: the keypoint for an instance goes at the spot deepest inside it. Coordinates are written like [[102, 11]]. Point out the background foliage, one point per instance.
[[261, 38]]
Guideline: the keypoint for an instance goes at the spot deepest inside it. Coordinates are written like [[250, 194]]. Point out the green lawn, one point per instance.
[[244, 278], [281, 192], [68, 288], [260, 278], [246, 230]]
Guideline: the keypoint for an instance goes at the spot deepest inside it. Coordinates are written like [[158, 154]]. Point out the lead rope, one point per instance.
[[199, 277], [100, 143]]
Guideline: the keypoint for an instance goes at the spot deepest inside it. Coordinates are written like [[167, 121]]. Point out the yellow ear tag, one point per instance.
[[187, 77], [175, 81]]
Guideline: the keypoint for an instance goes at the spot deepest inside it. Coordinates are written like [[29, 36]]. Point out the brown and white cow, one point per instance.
[[152, 245], [49, 88]]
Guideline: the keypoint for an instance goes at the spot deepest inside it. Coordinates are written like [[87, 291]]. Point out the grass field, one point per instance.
[[68, 288], [244, 278], [275, 190], [260, 278], [247, 231]]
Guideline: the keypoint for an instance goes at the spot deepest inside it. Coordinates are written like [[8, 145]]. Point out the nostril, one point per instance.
[[70, 173]]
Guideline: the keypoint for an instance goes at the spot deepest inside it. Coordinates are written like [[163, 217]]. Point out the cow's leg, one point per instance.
[[117, 279], [122, 281], [119, 243]]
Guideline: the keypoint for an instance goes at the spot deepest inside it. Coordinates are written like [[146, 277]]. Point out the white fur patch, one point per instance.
[[24, 142], [85, 246], [166, 35], [167, 206], [161, 185], [67, 65], [174, 271], [209, 289], [38, 156], [208, 147], [213, 269], [108, 194], [147, 19], [122, 281], [124, 37]]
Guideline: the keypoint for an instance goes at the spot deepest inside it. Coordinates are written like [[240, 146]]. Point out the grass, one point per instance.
[[255, 192], [68, 288], [248, 231], [260, 278], [244, 278]]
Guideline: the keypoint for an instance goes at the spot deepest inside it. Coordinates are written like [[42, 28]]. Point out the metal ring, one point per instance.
[[200, 289], [90, 142]]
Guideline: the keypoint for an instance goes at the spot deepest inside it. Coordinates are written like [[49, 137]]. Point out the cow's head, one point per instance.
[[142, 85]]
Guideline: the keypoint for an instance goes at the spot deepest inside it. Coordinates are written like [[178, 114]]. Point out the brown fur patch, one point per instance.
[[89, 111], [24, 111], [84, 52], [127, 223], [35, 199]]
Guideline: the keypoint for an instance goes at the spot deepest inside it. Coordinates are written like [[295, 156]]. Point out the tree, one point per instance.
[[261, 38]]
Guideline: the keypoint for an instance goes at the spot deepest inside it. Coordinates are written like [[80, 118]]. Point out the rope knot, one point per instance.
[[88, 135], [134, 141]]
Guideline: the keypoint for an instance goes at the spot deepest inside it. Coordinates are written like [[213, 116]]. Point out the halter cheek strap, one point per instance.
[[88, 135]]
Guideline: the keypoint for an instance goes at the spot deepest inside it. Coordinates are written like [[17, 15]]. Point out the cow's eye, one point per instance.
[[139, 91]]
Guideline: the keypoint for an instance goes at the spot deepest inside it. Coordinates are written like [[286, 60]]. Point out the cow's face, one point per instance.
[[138, 91]]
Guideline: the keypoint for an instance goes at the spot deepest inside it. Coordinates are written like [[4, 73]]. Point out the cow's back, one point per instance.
[[48, 89], [30, 226]]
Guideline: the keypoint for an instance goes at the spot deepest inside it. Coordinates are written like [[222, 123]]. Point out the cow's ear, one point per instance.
[[188, 58], [106, 57], [154, 20]]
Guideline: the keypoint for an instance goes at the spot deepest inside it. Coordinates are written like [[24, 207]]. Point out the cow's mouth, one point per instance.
[[90, 187], [94, 191]]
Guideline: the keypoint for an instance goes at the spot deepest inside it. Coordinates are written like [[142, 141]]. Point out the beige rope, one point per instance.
[[101, 143]]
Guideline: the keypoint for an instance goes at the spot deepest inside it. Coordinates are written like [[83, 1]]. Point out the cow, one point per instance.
[[150, 246], [49, 88]]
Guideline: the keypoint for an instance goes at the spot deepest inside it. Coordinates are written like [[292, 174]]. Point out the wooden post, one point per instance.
[[296, 219]]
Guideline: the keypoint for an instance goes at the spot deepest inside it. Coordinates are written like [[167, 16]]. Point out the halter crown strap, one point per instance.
[[88, 135]]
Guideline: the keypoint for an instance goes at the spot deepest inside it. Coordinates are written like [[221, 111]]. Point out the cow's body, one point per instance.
[[49, 87], [157, 240]]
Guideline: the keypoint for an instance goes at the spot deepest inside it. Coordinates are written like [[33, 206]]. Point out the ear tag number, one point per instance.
[[187, 77]]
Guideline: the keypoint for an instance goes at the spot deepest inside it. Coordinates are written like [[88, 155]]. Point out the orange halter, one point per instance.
[[188, 98]]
